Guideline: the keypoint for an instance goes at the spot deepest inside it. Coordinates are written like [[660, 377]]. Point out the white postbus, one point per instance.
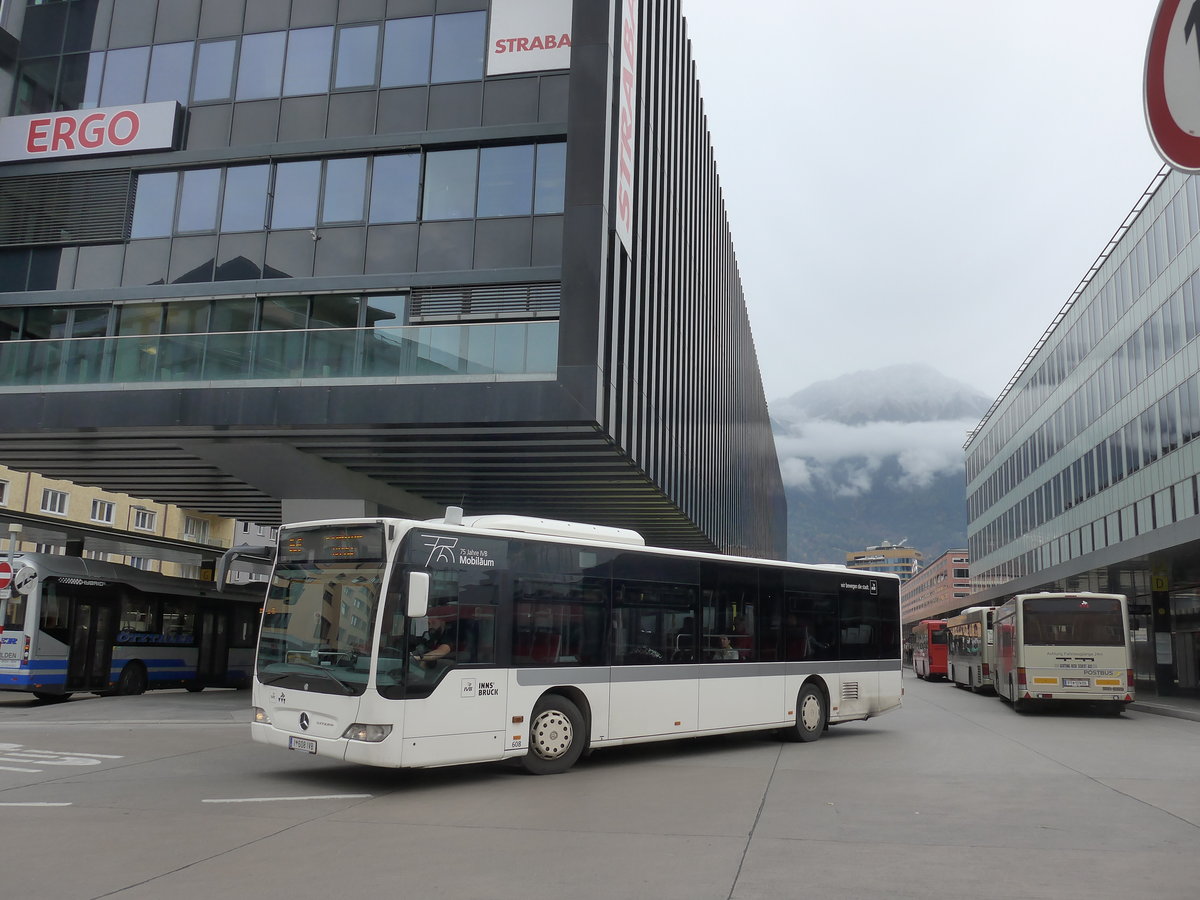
[[1064, 647], [393, 642], [971, 656], [72, 624]]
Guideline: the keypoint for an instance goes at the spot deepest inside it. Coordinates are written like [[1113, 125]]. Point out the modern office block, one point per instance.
[[1083, 475], [279, 258]]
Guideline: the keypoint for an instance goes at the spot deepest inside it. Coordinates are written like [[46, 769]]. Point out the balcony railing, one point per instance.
[[375, 354]]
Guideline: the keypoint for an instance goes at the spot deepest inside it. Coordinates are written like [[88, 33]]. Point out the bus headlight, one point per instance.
[[261, 717], [372, 734]]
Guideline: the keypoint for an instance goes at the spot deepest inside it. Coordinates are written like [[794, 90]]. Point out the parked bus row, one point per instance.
[[401, 643], [71, 624], [1033, 649]]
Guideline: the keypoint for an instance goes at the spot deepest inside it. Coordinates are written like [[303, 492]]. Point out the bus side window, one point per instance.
[[179, 619], [55, 611]]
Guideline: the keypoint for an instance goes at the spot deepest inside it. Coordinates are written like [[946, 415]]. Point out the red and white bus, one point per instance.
[[394, 642], [929, 639], [971, 653], [1070, 647]]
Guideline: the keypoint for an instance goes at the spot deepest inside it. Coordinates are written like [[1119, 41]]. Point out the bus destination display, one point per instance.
[[332, 545]]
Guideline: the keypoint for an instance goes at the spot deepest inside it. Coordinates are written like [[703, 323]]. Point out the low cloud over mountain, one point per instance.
[[876, 456]]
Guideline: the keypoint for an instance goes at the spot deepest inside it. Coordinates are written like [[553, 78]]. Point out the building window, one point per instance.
[[139, 562], [54, 502], [102, 511], [145, 519], [3, 493], [195, 529], [51, 549]]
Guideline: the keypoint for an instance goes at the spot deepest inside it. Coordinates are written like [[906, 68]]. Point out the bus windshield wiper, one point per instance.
[[345, 687]]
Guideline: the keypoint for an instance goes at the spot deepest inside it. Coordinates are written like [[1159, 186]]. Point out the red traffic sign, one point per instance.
[[5, 575], [1172, 84]]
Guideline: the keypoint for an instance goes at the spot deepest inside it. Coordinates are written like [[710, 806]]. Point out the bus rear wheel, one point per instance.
[[133, 679], [557, 735], [811, 715]]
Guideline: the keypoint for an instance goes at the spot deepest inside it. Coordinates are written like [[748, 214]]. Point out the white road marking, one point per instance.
[[35, 803], [16, 753], [276, 799]]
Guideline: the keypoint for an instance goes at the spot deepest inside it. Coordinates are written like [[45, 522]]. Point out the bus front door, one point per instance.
[[93, 631], [213, 665]]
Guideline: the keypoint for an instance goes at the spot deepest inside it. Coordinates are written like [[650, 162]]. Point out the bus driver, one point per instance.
[[439, 642]]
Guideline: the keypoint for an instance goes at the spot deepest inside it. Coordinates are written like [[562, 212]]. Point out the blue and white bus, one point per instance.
[[81, 625], [394, 642]]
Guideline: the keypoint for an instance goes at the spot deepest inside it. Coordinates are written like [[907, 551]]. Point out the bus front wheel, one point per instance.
[[557, 735], [132, 680], [811, 715]]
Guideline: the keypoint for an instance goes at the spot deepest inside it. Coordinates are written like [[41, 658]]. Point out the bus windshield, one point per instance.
[[320, 610], [1073, 622]]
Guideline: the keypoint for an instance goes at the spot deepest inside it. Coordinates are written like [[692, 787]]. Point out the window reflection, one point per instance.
[[345, 187], [295, 197], [458, 44], [449, 184], [395, 183], [551, 178], [356, 54], [406, 52], [214, 71], [125, 76], [154, 208], [505, 181], [170, 72], [416, 50], [459, 184], [309, 57], [198, 200], [261, 66], [245, 205]]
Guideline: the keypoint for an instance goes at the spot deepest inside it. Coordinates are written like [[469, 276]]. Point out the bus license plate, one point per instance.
[[304, 744], [1076, 682]]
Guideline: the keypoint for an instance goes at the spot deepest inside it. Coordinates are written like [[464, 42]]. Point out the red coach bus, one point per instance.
[[930, 643]]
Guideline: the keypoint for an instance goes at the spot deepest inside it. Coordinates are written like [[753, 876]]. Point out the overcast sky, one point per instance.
[[919, 181]]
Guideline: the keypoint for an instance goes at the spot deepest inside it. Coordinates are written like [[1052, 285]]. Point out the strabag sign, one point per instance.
[[529, 36], [89, 132]]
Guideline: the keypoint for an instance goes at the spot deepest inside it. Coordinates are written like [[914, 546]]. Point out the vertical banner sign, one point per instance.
[[1172, 83], [529, 36], [627, 123]]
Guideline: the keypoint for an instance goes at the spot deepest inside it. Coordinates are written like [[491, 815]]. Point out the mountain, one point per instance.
[[876, 456]]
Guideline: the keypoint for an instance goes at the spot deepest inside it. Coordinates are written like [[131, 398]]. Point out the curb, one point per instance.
[[1162, 710]]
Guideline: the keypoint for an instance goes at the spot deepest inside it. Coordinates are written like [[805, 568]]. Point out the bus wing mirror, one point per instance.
[[418, 594]]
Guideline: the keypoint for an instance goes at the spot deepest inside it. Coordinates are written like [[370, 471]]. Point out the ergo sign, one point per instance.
[[114, 129]]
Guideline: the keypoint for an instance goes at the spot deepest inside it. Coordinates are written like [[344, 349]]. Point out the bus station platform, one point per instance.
[[1179, 707]]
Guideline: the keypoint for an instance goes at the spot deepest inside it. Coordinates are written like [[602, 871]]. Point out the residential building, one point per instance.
[[887, 557], [939, 590], [59, 517]]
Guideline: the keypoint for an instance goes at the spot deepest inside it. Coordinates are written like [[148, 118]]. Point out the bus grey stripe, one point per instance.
[[625, 674]]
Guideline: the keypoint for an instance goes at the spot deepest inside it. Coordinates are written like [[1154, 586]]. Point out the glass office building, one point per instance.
[[269, 257], [1083, 475]]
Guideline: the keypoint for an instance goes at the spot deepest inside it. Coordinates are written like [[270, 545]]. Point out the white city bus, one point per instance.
[[73, 624], [971, 657], [393, 642], [1064, 647]]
